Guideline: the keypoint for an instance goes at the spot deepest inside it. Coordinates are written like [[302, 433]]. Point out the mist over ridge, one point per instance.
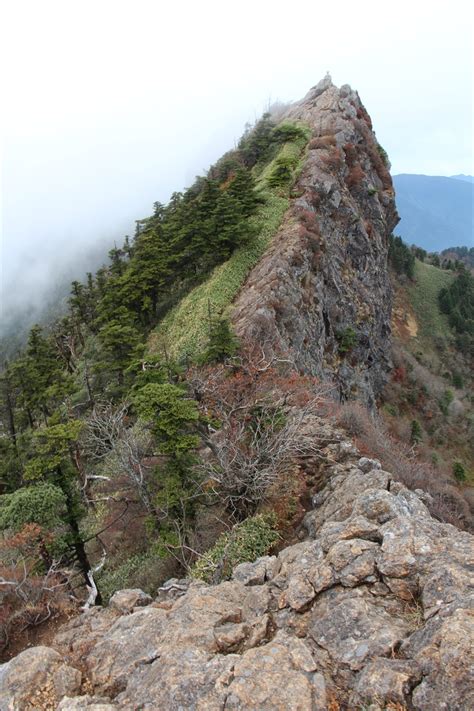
[[104, 120]]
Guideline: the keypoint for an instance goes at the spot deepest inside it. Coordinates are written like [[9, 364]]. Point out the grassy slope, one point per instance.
[[424, 298], [184, 329], [436, 354]]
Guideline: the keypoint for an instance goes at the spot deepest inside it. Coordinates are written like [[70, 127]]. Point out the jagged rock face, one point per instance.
[[374, 607], [326, 270]]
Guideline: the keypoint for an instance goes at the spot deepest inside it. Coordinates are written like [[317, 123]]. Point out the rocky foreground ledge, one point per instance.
[[374, 610]]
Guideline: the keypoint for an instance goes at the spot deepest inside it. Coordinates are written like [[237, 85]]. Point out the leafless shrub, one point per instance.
[[30, 599], [103, 428], [267, 416], [127, 457], [251, 451]]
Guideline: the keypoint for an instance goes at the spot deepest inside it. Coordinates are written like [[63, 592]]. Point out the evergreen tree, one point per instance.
[[242, 189], [120, 338], [257, 143], [222, 342], [117, 265], [400, 257], [39, 377], [416, 433]]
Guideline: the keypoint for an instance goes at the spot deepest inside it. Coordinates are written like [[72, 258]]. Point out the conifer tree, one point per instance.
[[242, 188], [119, 338]]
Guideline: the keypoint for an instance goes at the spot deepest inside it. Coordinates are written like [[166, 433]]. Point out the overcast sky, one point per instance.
[[112, 105]]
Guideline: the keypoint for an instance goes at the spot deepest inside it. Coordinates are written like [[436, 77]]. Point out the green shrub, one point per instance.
[[282, 171], [445, 401], [124, 576], [245, 542], [457, 380], [347, 339], [43, 503], [416, 433], [289, 131], [383, 154], [459, 471]]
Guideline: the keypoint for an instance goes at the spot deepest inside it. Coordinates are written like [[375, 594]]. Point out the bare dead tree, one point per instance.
[[127, 457], [103, 428], [30, 598], [265, 415], [250, 452]]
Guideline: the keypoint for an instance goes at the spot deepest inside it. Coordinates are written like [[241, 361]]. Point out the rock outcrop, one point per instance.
[[322, 290], [372, 609]]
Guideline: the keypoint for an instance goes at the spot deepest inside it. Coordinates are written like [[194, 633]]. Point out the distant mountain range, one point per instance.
[[461, 176], [436, 212]]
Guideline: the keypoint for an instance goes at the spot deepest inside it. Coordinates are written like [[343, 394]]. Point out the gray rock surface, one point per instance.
[[374, 607], [325, 273], [126, 600], [37, 678]]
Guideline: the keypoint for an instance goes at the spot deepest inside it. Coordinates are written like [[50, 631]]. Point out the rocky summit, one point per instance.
[[373, 608], [324, 279]]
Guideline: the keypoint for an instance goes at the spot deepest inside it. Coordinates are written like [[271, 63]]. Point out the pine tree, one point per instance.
[[242, 189], [222, 342], [119, 337], [117, 265]]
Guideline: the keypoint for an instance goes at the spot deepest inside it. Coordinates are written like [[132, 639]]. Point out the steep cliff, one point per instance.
[[372, 609], [322, 290]]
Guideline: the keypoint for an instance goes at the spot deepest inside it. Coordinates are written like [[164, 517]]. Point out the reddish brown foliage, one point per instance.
[[322, 142], [375, 157], [369, 228], [29, 599], [351, 154], [309, 220], [364, 116], [355, 176], [332, 159], [399, 374]]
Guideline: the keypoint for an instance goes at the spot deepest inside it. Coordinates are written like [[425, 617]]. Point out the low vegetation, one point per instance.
[[246, 541], [429, 281]]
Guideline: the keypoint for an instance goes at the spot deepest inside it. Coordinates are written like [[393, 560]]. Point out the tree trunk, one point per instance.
[[77, 542]]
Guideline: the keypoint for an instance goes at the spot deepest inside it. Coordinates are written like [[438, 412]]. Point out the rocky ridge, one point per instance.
[[373, 609], [325, 275]]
